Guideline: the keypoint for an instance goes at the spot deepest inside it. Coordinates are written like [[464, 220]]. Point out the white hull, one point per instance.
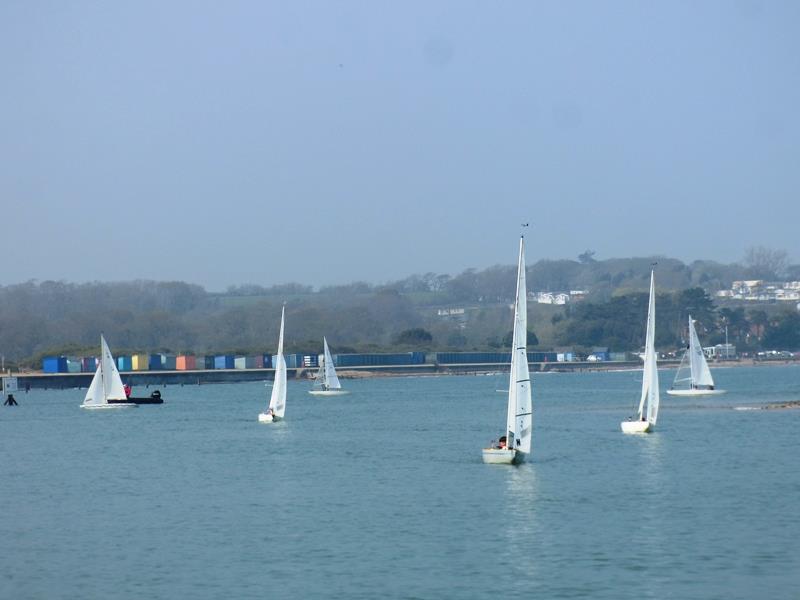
[[103, 406], [498, 456], [267, 418], [690, 392], [636, 427], [328, 392]]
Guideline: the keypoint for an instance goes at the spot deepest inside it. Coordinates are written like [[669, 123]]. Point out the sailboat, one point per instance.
[[106, 389], [327, 383], [647, 414], [699, 377], [515, 445], [277, 402]]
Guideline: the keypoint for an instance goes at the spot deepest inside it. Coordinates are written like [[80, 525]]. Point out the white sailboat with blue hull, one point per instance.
[[515, 445], [277, 401], [647, 415]]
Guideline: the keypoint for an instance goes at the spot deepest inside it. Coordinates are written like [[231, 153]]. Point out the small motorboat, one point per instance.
[[154, 398]]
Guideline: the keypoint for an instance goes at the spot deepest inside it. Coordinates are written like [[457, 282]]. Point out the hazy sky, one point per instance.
[[325, 142]]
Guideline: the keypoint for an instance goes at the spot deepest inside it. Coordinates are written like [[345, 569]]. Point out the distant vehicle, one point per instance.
[[774, 355], [594, 358]]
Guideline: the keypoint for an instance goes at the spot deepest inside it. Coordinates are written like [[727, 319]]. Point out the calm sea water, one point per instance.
[[382, 494]]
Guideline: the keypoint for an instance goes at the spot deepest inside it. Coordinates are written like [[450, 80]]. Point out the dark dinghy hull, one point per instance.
[[154, 398]]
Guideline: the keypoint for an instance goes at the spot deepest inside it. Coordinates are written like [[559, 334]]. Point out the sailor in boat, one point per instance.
[[128, 389], [156, 395], [502, 443], [642, 418]]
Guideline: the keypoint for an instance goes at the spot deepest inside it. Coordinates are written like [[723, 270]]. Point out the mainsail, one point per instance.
[[112, 382], [106, 384], [701, 375], [326, 376], [277, 401], [519, 416], [650, 394], [694, 367]]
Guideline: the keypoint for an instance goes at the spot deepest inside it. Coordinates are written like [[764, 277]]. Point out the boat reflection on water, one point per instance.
[[521, 499], [653, 496]]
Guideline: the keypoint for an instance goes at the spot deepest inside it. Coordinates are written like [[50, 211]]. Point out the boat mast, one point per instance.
[[650, 371], [102, 370], [519, 409], [324, 369], [692, 354], [652, 392]]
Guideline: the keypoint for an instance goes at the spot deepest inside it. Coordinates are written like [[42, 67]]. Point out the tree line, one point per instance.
[[56, 317], [620, 323]]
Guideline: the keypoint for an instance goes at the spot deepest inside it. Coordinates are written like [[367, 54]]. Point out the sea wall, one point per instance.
[[200, 377]]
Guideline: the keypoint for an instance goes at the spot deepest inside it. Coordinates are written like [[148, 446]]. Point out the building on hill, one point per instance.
[[559, 298], [451, 312], [758, 290]]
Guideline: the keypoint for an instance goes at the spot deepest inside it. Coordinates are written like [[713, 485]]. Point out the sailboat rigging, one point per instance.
[[326, 382], [106, 389], [515, 445], [647, 415], [699, 379], [277, 401]]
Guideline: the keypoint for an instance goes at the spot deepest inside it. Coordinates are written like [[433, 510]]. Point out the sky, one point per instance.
[[326, 142]]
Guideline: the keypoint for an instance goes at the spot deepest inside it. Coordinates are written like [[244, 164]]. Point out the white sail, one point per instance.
[[519, 415], [94, 395], [277, 401], [106, 384], [701, 375], [650, 395], [327, 370], [112, 382], [693, 375]]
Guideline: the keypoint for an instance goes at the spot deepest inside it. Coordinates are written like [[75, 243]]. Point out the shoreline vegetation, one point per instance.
[[604, 307]]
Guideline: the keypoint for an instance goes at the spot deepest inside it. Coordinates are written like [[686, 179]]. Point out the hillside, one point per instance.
[[39, 318]]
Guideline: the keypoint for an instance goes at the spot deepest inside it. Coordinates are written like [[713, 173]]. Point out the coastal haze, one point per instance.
[[326, 143], [195, 194]]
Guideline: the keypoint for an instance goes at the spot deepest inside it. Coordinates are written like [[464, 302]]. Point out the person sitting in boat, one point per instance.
[[502, 443], [156, 395], [128, 389]]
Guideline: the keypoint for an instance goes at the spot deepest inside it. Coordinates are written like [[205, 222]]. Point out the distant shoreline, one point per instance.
[[561, 367], [38, 380]]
